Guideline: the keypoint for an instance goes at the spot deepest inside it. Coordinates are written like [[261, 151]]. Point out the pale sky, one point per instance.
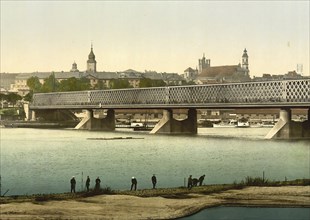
[[165, 36]]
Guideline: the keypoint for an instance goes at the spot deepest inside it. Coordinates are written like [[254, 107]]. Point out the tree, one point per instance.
[[158, 83], [74, 84], [99, 85], [29, 96], [13, 98], [3, 97], [50, 84], [119, 84], [34, 84], [84, 83], [188, 83], [146, 82]]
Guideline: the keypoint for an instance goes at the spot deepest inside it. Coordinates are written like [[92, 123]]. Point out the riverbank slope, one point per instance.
[[131, 206]]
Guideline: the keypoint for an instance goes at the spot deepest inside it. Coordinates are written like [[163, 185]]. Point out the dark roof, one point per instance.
[[58, 75], [189, 69], [130, 71], [8, 75], [152, 75], [103, 75], [172, 77], [219, 71]]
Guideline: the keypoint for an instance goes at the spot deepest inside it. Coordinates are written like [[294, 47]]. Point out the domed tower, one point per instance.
[[74, 68], [91, 62], [245, 61]]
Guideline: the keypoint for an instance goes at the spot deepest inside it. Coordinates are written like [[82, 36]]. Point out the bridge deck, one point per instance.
[[268, 94]]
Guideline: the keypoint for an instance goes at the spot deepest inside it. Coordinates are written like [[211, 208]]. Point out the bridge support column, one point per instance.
[[33, 115], [169, 125], [101, 124], [27, 112], [288, 129]]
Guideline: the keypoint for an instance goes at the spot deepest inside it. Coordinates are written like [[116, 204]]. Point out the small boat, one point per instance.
[[143, 127], [256, 125], [230, 124], [243, 123], [267, 124]]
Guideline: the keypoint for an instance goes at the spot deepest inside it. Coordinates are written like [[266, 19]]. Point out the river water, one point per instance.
[[246, 213], [44, 160]]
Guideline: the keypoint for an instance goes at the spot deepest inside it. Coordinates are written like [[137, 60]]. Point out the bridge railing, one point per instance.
[[238, 93]]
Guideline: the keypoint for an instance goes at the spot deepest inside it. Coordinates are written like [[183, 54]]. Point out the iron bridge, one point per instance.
[[265, 94]]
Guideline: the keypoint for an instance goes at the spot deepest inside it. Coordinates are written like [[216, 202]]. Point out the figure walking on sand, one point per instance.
[[97, 185], [189, 182], [201, 179], [73, 183], [154, 181], [87, 183], [133, 183]]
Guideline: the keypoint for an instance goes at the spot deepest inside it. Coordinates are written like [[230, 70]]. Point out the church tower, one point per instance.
[[245, 62], [91, 62], [203, 64], [74, 68]]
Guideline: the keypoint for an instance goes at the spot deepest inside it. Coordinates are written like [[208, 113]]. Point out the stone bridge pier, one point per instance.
[[102, 124], [168, 124], [285, 128], [49, 115]]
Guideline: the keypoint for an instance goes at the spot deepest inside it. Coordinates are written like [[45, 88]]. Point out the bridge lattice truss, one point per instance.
[[268, 92]]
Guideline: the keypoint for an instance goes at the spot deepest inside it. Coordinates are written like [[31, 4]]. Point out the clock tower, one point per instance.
[[91, 62]]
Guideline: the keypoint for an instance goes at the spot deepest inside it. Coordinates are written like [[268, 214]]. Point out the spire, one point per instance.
[[91, 55], [245, 53], [91, 62], [245, 61]]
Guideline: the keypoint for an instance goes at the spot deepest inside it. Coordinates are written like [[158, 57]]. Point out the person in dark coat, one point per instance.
[[97, 185], [189, 182], [154, 181], [73, 183], [201, 179], [87, 183], [133, 183]]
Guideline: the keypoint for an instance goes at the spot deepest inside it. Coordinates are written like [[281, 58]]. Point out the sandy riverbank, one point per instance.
[[133, 207]]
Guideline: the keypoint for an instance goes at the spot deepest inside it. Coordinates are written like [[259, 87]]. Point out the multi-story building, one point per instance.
[[215, 74], [190, 74], [227, 73], [19, 81], [6, 79], [289, 75]]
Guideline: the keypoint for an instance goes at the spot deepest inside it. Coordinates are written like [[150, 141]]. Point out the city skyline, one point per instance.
[[160, 36]]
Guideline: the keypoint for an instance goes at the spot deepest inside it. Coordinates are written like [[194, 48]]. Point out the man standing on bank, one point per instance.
[[190, 182], [154, 181], [201, 179], [87, 183], [133, 183], [73, 182], [97, 185]]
